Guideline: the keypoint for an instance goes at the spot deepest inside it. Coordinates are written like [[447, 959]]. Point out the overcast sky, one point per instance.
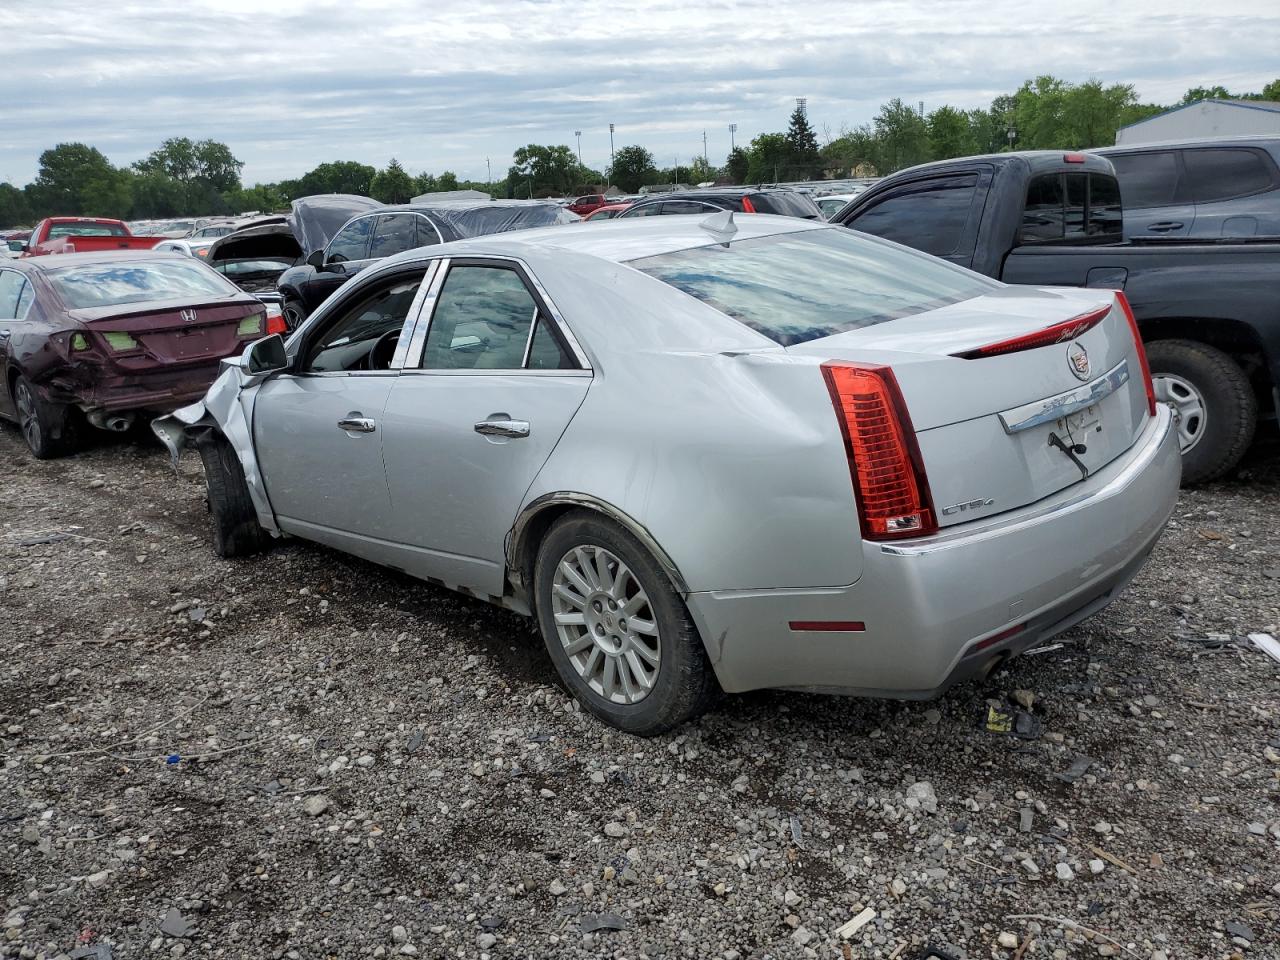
[[444, 85]]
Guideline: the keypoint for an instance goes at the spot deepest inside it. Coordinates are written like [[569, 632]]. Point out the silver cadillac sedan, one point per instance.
[[709, 454]]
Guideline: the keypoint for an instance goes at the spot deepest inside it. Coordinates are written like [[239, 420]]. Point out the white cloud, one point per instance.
[[291, 84]]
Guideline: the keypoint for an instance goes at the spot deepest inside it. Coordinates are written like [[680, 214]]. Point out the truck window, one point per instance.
[[929, 215], [1147, 179], [1223, 174], [1071, 206]]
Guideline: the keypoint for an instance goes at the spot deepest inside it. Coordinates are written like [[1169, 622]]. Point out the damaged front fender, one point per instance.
[[228, 409]]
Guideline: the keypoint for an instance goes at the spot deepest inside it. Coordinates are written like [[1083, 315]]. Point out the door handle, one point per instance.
[[1164, 225], [354, 423], [503, 428]]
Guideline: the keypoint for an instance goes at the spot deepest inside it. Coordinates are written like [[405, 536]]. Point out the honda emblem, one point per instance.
[[189, 316]]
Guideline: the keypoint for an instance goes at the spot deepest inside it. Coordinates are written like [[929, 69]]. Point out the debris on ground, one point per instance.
[[592, 922]]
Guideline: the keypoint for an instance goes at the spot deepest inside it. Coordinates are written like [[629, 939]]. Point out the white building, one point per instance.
[[1206, 118]]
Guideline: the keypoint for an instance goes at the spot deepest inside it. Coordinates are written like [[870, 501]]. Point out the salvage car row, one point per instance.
[[707, 453]]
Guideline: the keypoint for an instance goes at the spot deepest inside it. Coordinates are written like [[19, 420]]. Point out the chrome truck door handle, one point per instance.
[[1165, 225], [357, 424], [499, 426]]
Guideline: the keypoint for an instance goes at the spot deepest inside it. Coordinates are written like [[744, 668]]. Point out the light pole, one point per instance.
[[704, 149], [677, 163], [578, 134], [733, 128], [488, 172]]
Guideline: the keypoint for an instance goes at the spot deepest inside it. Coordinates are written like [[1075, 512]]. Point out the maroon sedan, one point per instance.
[[100, 339]]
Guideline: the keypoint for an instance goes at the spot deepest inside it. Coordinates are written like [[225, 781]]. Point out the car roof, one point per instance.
[[59, 260], [1258, 140], [1036, 160], [617, 240]]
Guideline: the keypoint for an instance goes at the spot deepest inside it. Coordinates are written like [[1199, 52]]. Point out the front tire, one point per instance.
[[1213, 401], [236, 531], [620, 636], [48, 428], [294, 313]]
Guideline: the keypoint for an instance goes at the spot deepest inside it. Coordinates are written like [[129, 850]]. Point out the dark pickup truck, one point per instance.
[[1208, 310]]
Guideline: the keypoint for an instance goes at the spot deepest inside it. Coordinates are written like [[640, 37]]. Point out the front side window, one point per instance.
[[1223, 174], [364, 335], [1147, 179], [483, 320], [395, 233], [802, 286], [352, 241], [930, 215]]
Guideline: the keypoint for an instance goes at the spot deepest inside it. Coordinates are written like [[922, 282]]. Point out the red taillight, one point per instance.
[[1142, 351], [889, 482], [1058, 333], [748, 206], [1073, 158], [275, 320]]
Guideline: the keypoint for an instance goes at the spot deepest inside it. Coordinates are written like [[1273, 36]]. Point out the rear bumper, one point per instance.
[[159, 392], [938, 609]]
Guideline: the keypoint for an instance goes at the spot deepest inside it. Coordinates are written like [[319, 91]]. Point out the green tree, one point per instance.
[[700, 171], [853, 153], [804, 161], [65, 171], [263, 197], [902, 135], [1091, 113], [424, 183], [14, 209], [1216, 92], [1040, 114], [736, 165], [155, 194], [204, 169], [767, 158], [341, 176], [108, 193], [447, 181], [392, 185], [543, 171], [950, 134], [632, 168], [1272, 91]]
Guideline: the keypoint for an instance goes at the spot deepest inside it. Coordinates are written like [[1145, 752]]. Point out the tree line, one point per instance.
[[184, 178]]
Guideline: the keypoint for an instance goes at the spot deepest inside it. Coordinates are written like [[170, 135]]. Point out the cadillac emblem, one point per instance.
[[1078, 361]]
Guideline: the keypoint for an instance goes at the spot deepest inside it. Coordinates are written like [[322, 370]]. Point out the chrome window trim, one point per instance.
[[439, 235], [411, 321], [528, 343], [1064, 404], [418, 338], [414, 359], [493, 372]]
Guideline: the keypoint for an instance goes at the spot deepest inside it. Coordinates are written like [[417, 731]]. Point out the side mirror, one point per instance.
[[316, 260], [266, 356]]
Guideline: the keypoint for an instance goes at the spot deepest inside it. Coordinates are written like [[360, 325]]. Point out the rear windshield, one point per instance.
[[786, 204], [1072, 208], [110, 284], [86, 230], [802, 286]]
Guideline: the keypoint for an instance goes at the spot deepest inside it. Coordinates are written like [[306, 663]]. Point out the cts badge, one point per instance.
[[967, 505], [1078, 361]]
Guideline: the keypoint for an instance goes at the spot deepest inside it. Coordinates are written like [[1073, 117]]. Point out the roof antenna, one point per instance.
[[720, 225]]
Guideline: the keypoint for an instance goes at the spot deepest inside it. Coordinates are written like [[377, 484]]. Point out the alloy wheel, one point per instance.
[[1188, 407], [28, 419], [606, 624]]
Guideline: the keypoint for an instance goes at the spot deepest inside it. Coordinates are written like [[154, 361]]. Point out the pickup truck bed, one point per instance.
[[1208, 310], [83, 235]]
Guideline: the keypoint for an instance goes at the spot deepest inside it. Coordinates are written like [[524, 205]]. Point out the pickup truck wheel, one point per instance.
[[618, 633], [1212, 400], [236, 532], [48, 428]]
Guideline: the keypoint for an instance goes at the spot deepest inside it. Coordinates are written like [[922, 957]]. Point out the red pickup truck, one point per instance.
[[83, 235]]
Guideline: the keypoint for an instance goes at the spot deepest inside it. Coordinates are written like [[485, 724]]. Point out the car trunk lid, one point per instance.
[[1000, 430], [162, 333]]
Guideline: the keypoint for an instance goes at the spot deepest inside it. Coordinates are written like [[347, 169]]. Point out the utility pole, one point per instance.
[[733, 128], [609, 179], [677, 163], [488, 169], [704, 149], [578, 134]]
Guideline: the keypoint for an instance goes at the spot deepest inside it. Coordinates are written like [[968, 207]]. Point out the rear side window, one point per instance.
[[1071, 207], [394, 234], [1147, 179], [786, 205], [929, 215], [1222, 174], [798, 287], [643, 210], [677, 207]]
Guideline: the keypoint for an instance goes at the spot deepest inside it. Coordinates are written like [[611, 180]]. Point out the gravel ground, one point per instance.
[[304, 755]]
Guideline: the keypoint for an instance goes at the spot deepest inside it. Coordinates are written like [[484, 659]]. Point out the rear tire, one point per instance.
[[50, 429], [294, 313], [678, 678], [236, 531], [1191, 376]]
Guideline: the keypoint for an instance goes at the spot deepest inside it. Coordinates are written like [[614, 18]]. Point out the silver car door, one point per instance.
[[477, 410], [317, 429]]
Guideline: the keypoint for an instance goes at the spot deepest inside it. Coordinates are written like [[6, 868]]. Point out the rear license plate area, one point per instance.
[[1080, 424]]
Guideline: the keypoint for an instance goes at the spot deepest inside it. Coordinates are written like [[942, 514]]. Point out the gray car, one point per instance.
[[709, 454], [1224, 187]]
